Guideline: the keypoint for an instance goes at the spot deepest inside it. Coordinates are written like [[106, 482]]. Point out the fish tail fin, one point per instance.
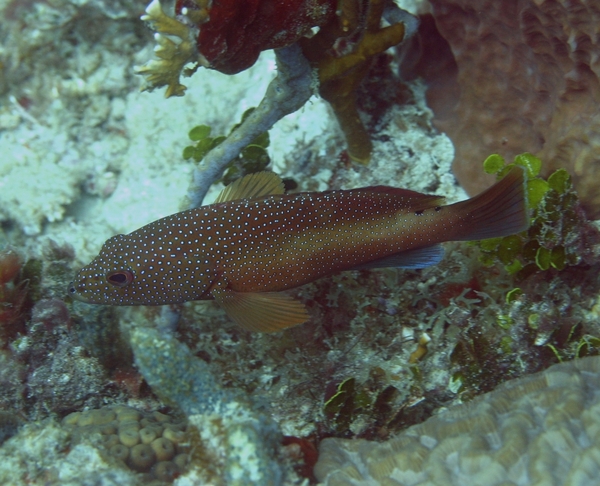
[[499, 211]]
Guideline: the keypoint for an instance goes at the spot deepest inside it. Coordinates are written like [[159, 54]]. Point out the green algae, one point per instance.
[[548, 244], [252, 158]]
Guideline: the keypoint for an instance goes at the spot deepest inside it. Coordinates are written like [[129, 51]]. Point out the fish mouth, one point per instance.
[[72, 291]]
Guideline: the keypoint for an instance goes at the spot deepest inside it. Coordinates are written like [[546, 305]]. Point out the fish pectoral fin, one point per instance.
[[419, 258], [261, 311], [251, 186]]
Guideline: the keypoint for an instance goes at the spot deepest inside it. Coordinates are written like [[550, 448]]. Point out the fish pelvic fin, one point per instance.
[[250, 186], [498, 211], [261, 311]]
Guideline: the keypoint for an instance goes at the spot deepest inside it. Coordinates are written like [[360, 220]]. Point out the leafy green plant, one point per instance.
[[376, 401], [555, 222], [253, 158], [341, 408]]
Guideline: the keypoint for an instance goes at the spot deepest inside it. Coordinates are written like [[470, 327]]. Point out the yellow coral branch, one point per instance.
[[371, 44], [173, 52], [161, 22]]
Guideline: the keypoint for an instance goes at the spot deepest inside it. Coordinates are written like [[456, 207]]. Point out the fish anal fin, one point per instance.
[[252, 185], [419, 258], [261, 311]]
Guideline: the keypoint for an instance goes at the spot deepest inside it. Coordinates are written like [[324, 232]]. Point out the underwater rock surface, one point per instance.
[[86, 156], [526, 78], [542, 429]]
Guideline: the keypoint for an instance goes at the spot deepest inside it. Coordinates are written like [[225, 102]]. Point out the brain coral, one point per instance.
[[528, 74], [541, 429], [152, 443]]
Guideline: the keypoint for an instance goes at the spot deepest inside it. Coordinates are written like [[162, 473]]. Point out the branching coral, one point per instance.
[[290, 89], [230, 36], [174, 50], [340, 74]]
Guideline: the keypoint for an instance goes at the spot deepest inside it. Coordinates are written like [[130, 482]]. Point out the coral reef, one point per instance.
[[80, 142], [45, 369], [9, 424], [228, 36], [342, 51], [527, 80], [341, 64], [45, 116], [172, 56], [235, 444], [80, 352], [539, 429], [231, 35], [290, 89], [71, 114], [41, 454], [13, 296], [65, 379], [364, 329], [152, 443]]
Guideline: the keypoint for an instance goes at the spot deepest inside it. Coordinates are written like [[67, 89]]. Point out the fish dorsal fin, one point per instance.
[[419, 258], [261, 311], [413, 198], [250, 186]]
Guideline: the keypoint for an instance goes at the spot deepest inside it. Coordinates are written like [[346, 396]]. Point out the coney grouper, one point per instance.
[[255, 241]]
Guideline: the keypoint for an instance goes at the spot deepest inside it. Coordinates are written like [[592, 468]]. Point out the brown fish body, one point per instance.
[[241, 251]]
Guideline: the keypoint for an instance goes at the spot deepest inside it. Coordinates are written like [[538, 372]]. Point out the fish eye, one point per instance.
[[71, 288], [122, 278]]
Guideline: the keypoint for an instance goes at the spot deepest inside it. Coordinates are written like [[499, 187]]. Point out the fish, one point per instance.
[[255, 242]]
